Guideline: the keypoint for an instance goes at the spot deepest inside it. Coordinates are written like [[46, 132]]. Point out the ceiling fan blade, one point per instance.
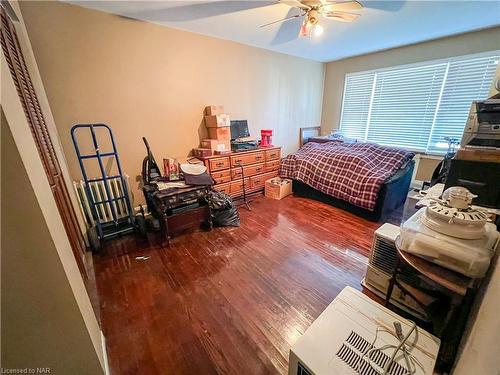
[[342, 6], [295, 4], [288, 31], [388, 6], [281, 20], [341, 16], [178, 11]]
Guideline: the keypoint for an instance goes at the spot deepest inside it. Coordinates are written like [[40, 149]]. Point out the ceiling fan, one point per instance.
[[312, 10]]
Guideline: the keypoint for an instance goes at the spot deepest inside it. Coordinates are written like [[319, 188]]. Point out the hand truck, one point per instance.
[[108, 195]]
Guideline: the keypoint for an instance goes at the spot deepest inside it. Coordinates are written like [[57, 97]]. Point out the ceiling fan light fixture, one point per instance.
[[304, 29], [317, 30]]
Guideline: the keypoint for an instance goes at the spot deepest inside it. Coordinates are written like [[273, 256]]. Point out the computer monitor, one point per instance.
[[239, 129]]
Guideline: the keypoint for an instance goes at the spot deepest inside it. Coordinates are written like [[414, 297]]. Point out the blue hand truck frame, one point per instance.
[[118, 225]]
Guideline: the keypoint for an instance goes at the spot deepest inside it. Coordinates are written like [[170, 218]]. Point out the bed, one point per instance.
[[366, 179]]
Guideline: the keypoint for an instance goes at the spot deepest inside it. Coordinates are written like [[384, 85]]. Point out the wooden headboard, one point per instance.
[[306, 133]]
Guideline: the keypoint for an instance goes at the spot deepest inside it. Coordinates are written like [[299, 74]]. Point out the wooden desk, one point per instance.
[[458, 288]]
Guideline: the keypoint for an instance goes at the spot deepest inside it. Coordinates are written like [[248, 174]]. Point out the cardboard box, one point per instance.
[[278, 188], [216, 145], [212, 110], [217, 121], [202, 152], [220, 134]]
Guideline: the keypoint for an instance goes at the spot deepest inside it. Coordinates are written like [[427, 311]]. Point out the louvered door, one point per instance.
[[27, 95]]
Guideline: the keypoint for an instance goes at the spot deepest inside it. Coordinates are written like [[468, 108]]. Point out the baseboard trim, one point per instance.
[[105, 354]]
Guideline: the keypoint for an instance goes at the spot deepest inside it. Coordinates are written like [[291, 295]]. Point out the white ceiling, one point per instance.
[[382, 25]]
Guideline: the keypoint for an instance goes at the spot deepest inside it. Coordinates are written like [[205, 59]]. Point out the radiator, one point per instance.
[[98, 192]]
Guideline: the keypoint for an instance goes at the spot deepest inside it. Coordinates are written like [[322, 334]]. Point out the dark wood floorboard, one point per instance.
[[229, 301]]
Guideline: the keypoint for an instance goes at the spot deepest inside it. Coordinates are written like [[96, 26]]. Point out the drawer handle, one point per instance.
[[258, 157], [238, 161], [258, 169], [220, 164]]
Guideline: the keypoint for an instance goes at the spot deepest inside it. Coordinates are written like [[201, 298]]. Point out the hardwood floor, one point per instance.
[[229, 301]]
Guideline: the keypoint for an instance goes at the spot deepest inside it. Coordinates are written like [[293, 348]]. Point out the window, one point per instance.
[[416, 106]]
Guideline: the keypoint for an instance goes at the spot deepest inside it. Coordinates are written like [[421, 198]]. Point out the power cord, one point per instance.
[[411, 361]]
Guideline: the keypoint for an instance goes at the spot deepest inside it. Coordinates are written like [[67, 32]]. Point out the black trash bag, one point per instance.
[[224, 212]]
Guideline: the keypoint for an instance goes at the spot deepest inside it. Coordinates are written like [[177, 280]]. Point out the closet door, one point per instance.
[[18, 69]]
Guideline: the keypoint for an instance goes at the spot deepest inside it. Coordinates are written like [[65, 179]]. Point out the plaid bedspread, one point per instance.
[[353, 172]]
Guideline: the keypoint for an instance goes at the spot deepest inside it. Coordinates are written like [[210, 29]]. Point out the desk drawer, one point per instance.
[[224, 188], [219, 163], [273, 165], [250, 170], [221, 177], [273, 154], [247, 159]]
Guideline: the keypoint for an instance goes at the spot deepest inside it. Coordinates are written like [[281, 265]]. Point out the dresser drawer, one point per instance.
[[224, 188], [273, 154], [237, 186], [219, 163], [257, 182], [247, 159], [221, 177], [273, 165], [249, 170]]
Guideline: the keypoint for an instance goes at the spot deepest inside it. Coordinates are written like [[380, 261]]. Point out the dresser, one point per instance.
[[258, 166]]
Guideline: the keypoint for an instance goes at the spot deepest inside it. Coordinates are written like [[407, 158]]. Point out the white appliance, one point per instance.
[[381, 266], [339, 340], [452, 234]]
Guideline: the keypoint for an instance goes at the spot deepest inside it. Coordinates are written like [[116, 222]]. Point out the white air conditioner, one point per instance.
[[339, 340], [381, 266]]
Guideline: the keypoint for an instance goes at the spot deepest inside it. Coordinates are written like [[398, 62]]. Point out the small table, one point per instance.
[[458, 288]]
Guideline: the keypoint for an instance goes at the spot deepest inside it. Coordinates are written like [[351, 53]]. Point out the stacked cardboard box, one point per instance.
[[218, 126]]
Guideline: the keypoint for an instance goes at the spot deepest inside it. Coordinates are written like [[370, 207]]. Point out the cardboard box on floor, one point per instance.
[[278, 188], [217, 121]]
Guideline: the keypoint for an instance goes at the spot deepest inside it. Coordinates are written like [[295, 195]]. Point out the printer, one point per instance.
[[482, 129]]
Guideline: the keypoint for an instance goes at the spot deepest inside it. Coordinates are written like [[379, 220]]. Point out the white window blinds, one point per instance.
[[357, 96], [416, 106]]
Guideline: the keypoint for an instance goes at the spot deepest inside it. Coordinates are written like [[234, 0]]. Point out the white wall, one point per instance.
[[143, 79]]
